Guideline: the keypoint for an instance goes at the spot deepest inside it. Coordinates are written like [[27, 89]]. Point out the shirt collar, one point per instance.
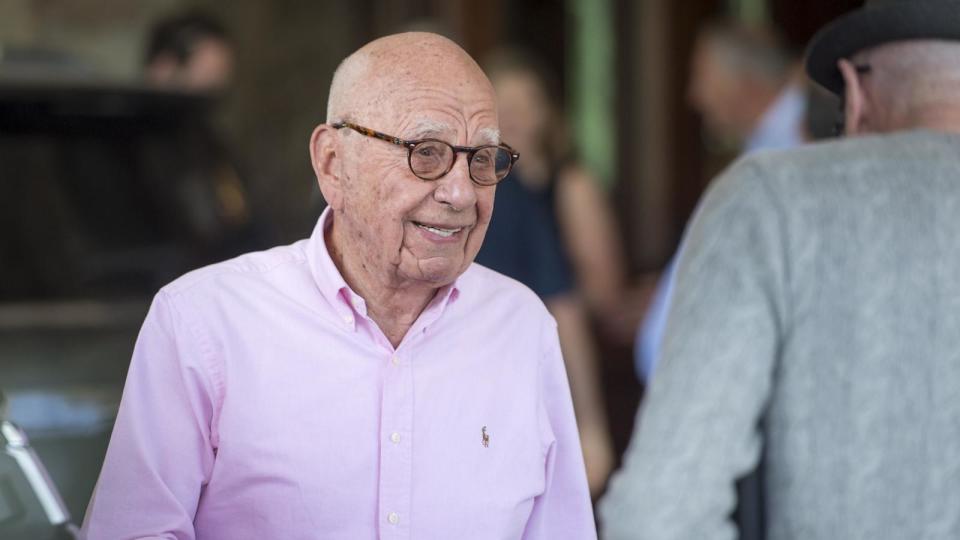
[[782, 124], [347, 303]]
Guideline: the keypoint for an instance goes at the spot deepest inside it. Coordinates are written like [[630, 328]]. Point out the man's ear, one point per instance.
[[324, 156], [855, 103]]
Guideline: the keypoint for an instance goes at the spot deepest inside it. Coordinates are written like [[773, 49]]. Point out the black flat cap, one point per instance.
[[878, 22]]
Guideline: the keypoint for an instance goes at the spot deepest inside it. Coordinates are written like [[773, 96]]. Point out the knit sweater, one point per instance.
[[816, 320]]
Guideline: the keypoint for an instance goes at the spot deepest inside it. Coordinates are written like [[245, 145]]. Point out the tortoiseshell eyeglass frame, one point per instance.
[[410, 145]]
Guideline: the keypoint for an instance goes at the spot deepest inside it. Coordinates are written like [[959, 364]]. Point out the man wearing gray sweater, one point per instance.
[[816, 316]]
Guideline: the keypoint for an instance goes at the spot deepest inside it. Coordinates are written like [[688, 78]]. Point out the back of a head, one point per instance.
[[908, 76], [896, 64]]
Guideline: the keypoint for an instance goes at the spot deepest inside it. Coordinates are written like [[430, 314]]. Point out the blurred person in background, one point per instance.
[[370, 381], [553, 231], [190, 51], [815, 320], [582, 218], [193, 53], [746, 86]]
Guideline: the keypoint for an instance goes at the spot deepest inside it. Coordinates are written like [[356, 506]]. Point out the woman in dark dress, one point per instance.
[[552, 231]]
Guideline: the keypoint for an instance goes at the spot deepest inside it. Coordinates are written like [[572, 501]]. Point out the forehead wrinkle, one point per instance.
[[428, 109], [429, 127], [461, 101], [418, 125], [490, 132]]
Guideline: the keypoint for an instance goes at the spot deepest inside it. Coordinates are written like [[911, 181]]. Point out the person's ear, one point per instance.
[[326, 161], [855, 103]]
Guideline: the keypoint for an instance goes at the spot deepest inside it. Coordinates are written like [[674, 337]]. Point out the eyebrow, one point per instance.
[[489, 136], [429, 128], [426, 128]]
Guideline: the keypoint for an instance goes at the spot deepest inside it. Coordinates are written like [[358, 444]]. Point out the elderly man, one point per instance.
[[741, 84], [369, 382], [816, 316]]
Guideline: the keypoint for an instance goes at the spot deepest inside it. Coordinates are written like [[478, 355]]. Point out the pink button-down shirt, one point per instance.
[[263, 403]]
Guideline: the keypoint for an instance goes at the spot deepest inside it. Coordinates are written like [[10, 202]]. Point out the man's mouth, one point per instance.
[[439, 231]]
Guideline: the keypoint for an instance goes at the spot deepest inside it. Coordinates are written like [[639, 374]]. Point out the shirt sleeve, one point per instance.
[[160, 454], [563, 510], [654, 325], [698, 429]]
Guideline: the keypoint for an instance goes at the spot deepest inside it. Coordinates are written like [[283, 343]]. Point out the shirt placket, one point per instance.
[[396, 448]]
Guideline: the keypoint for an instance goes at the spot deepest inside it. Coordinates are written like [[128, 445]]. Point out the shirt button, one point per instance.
[[395, 360], [393, 518], [348, 319], [395, 438]]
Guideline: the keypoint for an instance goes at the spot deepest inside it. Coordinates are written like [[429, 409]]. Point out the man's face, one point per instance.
[[716, 92], [396, 225], [210, 67]]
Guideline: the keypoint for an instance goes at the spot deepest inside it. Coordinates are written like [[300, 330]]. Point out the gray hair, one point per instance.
[[750, 50]]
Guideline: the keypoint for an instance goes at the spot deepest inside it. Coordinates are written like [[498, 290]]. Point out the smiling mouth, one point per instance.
[[444, 233]]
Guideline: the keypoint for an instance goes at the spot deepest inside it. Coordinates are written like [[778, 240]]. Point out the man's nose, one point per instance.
[[456, 189]]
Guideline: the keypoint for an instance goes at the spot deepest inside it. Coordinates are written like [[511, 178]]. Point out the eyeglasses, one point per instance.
[[839, 127], [432, 159]]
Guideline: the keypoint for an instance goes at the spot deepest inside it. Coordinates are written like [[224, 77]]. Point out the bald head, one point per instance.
[[916, 72], [910, 84], [368, 78]]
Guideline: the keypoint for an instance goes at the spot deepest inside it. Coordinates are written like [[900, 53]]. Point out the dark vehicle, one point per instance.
[[107, 192]]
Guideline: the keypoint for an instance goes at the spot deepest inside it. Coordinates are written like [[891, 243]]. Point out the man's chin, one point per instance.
[[437, 272]]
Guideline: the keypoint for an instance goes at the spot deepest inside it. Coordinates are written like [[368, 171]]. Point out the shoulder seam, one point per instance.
[[175, 289]]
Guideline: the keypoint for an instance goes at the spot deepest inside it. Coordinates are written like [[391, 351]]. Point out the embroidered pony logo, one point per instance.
[[485, 437]]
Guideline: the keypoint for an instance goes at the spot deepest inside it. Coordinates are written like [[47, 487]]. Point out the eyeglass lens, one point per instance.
[[432, 159]]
